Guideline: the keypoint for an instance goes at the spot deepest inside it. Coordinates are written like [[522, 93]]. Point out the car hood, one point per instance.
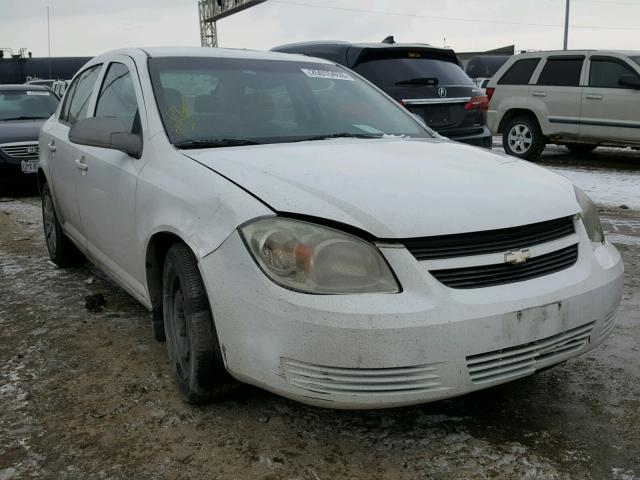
[[396, 188], [20, 130]]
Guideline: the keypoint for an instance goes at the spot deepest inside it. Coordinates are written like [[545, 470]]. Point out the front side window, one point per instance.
[[117, 96], [77, 103], [267, 101], [561, 72], [520, 72], [26, 104], [606, 72]]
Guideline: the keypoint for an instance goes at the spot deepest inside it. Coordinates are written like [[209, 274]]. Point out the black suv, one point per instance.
[[23, 110], [427, 80]]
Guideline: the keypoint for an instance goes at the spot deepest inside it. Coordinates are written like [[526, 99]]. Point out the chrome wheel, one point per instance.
[[49, 221], [520, 138]]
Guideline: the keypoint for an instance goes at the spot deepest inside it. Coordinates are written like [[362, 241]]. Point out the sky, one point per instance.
[[91, 27]]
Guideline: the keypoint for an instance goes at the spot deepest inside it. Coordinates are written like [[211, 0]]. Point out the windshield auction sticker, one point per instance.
[[332, 74], [37, 92]]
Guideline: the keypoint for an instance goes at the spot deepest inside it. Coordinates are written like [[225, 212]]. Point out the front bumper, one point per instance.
[[427, 343]]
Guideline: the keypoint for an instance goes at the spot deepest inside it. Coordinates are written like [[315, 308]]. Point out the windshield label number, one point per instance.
[[331, 74]]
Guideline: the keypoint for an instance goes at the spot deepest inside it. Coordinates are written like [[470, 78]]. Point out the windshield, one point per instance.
[[238, 102], [389, 72], [26, 104], [636, 59]]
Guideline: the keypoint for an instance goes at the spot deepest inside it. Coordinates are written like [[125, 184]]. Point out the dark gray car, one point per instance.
[[23, 110], [427, 80]]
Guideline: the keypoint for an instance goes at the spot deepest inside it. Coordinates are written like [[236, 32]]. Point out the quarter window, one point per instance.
[[78, 99], [117, 96], [561, 72], [605, 73], [520, 72]]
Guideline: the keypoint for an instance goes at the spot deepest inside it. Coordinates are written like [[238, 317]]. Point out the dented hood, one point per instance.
[[396, 188]]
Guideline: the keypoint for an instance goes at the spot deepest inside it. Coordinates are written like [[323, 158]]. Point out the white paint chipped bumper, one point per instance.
[[427, 343]]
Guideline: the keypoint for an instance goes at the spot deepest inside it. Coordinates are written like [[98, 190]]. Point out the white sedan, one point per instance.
[[292, 227]]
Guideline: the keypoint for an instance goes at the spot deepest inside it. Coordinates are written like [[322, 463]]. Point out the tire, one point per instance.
[[192, 342], [580, 148], [61, 249], [523, 138]]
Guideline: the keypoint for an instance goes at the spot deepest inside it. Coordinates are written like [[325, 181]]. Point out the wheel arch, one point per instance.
[[157, 247], [514, 113]]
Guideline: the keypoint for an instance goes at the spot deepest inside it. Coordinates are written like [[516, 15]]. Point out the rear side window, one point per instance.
[[117, 96], [605, 72], [561, 72], [520, 72], [390, 72], [77, 102]]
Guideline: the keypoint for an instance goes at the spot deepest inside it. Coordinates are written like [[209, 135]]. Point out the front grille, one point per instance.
[[491, 275], [362, 381], [524, 359], [492, 241], [23, 152]]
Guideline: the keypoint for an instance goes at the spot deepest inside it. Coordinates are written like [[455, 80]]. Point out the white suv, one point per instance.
[[581, 99]]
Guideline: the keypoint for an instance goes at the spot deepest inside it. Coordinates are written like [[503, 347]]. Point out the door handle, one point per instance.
[[593, 96], [81, 165], [539, 94], [52, 146]]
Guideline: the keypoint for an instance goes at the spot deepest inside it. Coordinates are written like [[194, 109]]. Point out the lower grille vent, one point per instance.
[[523, 359], [362, 381]]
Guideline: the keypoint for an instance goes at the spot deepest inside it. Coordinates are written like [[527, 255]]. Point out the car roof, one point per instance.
[[23, 87], [630, 53], [158, 52], [342, 44]]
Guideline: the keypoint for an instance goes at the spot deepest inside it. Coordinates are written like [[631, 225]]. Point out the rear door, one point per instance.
[[107, 186], [557, 95], [428, 84], [610, 111], [63, 155]]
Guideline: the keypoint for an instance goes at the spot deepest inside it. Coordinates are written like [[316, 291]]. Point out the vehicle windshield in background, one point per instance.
[[206, 102], [27, 104], [387, 72]]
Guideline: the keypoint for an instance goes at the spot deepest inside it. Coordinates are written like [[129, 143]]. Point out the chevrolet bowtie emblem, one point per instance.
[[516, 257]]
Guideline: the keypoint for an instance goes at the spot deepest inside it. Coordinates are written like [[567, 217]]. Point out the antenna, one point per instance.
[[49, 39]]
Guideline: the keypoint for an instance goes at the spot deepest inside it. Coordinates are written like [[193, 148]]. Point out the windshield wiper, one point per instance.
[[23, 118], [216, 143], [338, 135], [420, 81]]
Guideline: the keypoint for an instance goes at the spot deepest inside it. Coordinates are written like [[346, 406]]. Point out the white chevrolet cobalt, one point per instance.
[[292, 227]]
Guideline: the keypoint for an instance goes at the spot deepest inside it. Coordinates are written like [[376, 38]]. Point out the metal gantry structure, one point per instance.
[[211, 11]]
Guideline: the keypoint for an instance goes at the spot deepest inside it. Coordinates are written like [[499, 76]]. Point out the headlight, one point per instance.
[[314, 259], [589, 216]]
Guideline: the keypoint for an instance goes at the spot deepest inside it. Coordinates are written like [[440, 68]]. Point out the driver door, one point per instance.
[[107, 185]]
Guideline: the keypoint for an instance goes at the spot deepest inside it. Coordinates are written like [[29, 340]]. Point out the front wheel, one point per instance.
[[191, 338], [523, 138]]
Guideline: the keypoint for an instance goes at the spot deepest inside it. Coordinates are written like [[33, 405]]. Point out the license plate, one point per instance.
[[30, 166]]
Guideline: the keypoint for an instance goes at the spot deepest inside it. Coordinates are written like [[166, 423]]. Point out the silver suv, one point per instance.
[[580, 99]]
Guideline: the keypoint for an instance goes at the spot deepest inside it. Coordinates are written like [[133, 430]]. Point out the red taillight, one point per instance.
[[480, 102], [489, 92]]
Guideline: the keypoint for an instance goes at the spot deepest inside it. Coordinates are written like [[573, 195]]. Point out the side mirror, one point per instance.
[[106, 132], [629, 80]]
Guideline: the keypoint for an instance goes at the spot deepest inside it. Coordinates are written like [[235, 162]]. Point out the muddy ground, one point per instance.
[[88, 396]]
